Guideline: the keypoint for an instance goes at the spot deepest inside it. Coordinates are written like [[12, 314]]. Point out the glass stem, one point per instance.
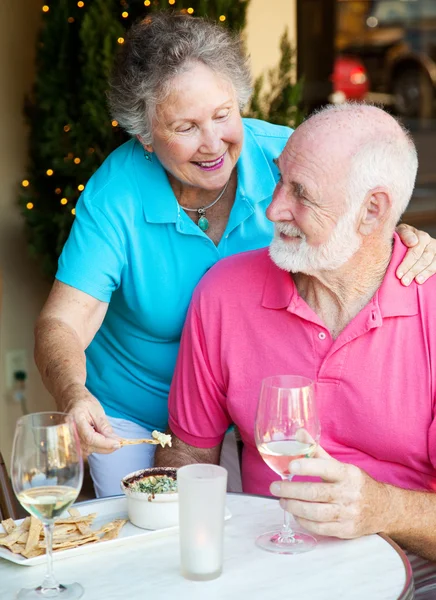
[[286, 534], [50, 581]]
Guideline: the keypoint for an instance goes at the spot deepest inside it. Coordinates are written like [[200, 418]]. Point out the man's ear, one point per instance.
[[375, 210], [147, 147]]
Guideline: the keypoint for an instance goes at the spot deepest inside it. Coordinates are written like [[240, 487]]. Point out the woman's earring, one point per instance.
[[147, 155]]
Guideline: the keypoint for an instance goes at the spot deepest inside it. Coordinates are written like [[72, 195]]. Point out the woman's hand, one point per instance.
[[95, 432], [420, 260]]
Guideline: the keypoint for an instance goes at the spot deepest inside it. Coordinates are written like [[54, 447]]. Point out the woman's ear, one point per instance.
[[147, 147], [375, 210]]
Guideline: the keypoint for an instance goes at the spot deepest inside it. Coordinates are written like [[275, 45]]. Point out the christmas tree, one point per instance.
[[71, 131]]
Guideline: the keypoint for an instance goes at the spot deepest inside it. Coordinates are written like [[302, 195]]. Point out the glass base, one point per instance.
[[201, 576], [64, 592], [297, 543]]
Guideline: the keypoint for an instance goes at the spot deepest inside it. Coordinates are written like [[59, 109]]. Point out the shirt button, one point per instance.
[[322, 335]]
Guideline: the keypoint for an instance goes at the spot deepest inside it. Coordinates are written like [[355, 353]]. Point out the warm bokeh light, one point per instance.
[[29, 205], [124, 14], [70, 155], [25, 183], [58, 190], [114, 123], [147, 3], [64, 201], [73, 211], [91, 151], [49, 172], [80, 187], [222, 18], [45, 8], [70, 19], [80, 4], [171, 1], [120, 40], [77, 161], [190, 11]]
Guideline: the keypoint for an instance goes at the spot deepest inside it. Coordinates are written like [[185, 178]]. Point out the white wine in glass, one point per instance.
[[47, 474], [287, 428]]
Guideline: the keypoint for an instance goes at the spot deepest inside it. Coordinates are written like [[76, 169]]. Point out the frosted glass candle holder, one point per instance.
[[202, 499]]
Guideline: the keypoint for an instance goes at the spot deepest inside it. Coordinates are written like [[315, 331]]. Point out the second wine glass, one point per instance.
[[47, 474], [287, 427]]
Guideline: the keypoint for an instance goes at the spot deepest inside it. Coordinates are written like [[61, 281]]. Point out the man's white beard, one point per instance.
[[299, 257]]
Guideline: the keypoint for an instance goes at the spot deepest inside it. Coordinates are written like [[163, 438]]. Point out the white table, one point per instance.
[[370, 568]]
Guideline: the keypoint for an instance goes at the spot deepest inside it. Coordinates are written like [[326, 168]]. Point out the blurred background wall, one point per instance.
[[23, 288]]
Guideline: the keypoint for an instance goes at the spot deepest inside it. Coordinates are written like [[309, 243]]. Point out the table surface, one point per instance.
[[370, 567]]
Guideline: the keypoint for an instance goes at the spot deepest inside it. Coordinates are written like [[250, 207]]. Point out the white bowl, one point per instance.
[[151, 511]]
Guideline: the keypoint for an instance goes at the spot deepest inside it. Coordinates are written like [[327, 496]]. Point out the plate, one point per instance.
[[107, 509]]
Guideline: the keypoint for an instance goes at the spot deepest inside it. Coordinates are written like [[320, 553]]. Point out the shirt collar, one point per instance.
[[251, 162], [392, 298]]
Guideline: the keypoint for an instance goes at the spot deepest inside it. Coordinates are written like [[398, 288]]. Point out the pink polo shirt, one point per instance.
[[376, 383]]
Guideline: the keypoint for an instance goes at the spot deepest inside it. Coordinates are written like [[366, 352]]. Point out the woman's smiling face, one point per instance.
[[197, 131]]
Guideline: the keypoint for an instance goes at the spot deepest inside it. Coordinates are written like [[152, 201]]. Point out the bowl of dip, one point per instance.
[[152, 498]]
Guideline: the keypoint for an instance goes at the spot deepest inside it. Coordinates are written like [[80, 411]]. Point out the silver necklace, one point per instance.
[[203, 222]]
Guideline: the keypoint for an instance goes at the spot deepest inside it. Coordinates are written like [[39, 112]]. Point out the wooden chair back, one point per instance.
[[9, 508]]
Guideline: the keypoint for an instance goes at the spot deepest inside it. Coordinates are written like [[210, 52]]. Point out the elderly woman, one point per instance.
[[189, 188]]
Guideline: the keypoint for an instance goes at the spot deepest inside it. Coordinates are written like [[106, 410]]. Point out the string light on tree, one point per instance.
[[25, 183], [49, 172], [114, 123], [29, 205], [125, 14], [45, 8], [64, 201], [58, 191], [73, 211], [81, 187], [80, 4], [222, 18], [147, 3], [67, 128], [120, 40], [171, 1], [77, 161], [190, 11], [70, 19]]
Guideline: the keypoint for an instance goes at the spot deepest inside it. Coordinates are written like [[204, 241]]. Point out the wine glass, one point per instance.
[[287, 428], [47, 474]]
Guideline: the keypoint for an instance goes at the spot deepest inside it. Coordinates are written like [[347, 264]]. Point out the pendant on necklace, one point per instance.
[[203, 223]]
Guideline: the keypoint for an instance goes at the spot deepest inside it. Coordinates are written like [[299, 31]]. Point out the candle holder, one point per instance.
[[202, 499]]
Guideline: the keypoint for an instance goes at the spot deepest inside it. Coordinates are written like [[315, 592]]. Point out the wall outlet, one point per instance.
[[16, 360]]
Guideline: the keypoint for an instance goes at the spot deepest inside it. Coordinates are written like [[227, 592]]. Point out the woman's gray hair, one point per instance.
[[159, 48]]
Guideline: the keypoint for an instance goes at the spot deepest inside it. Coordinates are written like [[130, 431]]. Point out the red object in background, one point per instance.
[[350, 78]]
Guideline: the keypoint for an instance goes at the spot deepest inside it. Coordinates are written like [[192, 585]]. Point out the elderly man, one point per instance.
[[325, 303]]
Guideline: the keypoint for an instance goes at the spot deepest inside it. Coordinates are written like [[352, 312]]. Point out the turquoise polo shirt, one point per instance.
[[132, 246]]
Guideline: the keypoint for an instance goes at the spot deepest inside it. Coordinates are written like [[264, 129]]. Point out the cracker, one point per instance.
[[34, 534], [28, 539], [111, 535], [8, 525], [82, 526]]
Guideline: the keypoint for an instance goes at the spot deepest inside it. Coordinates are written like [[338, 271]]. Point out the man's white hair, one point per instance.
[[387, 159]]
